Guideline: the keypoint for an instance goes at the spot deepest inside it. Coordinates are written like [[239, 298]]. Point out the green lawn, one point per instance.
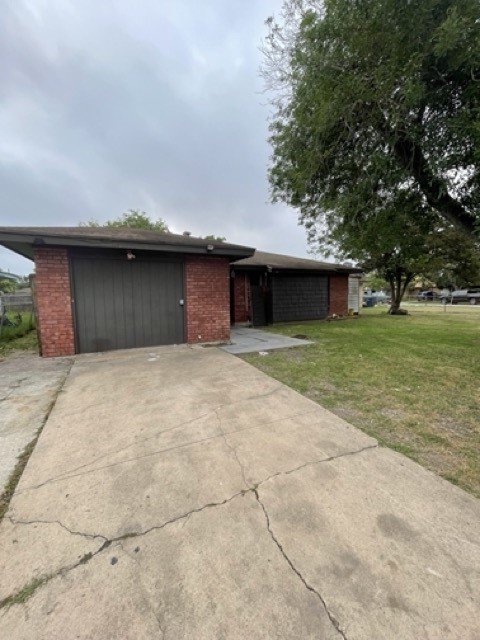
[[411, 381]]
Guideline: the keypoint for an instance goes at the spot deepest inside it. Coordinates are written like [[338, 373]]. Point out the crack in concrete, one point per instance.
[[249, 488], [314, 462], [68, 475], [29, 589], [16, 598], [331, 617], [86, 558], [71, 531], [128, 446], [161, 432]]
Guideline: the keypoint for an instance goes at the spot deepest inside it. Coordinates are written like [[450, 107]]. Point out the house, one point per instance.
[[104, 288], [6, 275], [269, 287]]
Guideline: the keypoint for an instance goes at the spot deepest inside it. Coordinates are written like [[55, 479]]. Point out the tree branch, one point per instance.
[[412, 159]]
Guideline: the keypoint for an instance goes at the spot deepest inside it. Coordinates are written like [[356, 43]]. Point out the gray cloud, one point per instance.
[[153, 105]]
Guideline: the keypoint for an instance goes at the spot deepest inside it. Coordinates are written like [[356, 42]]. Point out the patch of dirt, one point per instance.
[[448, 424], [393, 414]]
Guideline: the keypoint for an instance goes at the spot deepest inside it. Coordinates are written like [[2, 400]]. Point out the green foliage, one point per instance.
[[7, 285], [377, 111], [375, 282], [453, 260], [133, 218], [213, 238], [22, 324]]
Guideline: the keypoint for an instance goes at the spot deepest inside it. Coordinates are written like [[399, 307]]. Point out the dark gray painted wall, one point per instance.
[[302, 297]]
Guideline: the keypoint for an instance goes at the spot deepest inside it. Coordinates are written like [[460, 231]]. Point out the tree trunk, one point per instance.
[[397, 290]]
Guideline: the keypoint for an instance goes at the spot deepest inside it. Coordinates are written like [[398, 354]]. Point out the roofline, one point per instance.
[[335, 269], [11, 239]]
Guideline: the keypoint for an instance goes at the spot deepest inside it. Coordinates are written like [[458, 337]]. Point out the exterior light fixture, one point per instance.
[[210, 247], [131, 255]]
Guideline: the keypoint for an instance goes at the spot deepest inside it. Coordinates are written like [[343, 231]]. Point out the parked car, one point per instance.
[[422, 296], [470, 295]]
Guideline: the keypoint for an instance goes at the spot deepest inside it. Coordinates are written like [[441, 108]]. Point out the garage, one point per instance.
[[121, 304], [104, 288]]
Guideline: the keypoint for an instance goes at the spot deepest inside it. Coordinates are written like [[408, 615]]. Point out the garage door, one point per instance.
[[120, 304]]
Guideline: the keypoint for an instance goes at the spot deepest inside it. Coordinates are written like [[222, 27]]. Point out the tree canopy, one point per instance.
[[376, 115], [133, 218]]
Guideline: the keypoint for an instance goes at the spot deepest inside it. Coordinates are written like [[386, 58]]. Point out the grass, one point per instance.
[[21, 337], [27, 592], [411, 381], [16, 474]]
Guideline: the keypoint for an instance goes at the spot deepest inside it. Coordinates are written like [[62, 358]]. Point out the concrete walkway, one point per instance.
[[182, 494], [248, 340], [28, 386]]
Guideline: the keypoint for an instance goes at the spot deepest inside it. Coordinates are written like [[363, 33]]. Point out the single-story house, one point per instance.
[[104, 288], [101, 288], [268, 288]]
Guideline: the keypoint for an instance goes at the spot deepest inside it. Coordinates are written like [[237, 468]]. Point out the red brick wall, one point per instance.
[[207, 299], [53, 301], [241, 297], [338, 295]]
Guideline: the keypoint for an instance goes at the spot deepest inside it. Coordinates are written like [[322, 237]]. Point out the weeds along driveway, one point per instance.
[[182, 493]]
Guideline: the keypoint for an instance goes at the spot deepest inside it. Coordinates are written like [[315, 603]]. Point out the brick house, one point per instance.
[[98, 289], [101, 288], [268, 288]]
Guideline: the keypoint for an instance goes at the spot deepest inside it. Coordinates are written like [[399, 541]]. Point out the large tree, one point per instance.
[[133, 218], [376, 100]]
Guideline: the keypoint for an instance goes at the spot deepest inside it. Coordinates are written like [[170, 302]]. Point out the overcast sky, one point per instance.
[[157, 105]]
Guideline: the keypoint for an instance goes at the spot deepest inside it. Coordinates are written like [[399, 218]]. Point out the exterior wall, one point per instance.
[[338, 295], [53, 302], [241, 297], [353, 295], [207, 299], [299, 297]]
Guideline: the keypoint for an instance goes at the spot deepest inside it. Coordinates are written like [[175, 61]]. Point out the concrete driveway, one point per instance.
[[181, 493], [28, 387]]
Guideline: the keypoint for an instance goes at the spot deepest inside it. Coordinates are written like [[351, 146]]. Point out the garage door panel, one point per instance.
[[121, 304]]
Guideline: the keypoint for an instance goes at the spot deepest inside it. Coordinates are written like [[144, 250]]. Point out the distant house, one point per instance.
[[6, 275], [104, 288]]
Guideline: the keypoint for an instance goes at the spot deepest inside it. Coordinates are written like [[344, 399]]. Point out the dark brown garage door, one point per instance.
[[120, 304]]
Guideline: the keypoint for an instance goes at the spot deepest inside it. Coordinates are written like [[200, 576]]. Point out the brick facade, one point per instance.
[[241, 297], [53, 302], [207, 299], [338, 295]]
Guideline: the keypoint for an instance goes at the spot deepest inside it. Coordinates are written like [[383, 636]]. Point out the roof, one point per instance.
[[6, 275], [23, 239], [276, 261]]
